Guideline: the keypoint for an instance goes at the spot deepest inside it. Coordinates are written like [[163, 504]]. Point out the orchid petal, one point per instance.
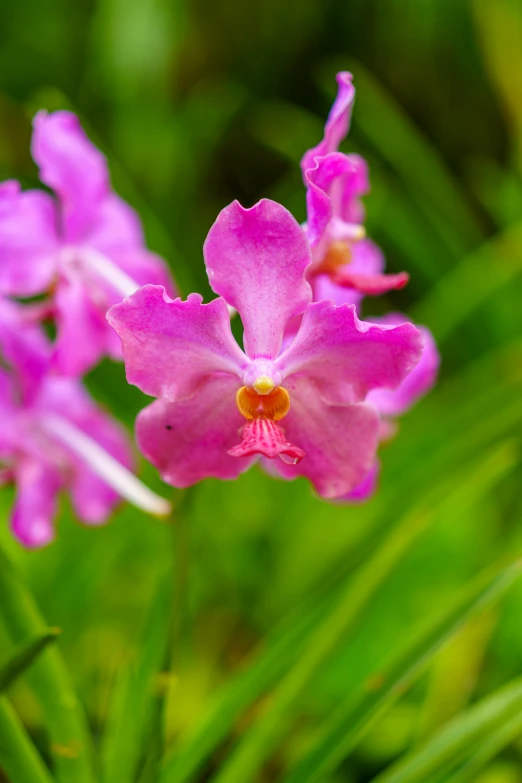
[[188, 440], [337, 124], [334, 186], [170, 346], [83, 335], [256, 259], [346, 357], [24, 346], [28, 241], [339, 441], [72, 166], [416, 384], [369, 285], [35, 505]]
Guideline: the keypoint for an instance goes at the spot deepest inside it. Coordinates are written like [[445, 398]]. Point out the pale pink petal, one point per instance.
[[345, 357], [256, 259], [418, 383], [339, 441], [71, 166], [37, 486], [28, 241], [337, 124], [171, 347], [188, 440]]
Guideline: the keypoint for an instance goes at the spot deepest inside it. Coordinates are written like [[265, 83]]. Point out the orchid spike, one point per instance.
[[346, 266], [53, 437], [302, 405], [84, 247]]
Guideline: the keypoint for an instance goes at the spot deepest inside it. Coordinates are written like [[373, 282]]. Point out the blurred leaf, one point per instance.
[[500, 33], [455, 741], [23, 656], [489, 748], [18, 757], [347, 727], [259, 742], [471, 282], [128, 736], [65, 721]]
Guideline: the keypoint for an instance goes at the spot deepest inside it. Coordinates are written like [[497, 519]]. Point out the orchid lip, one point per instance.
[[106, 466]]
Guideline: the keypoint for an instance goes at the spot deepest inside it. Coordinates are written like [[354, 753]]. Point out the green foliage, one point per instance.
[[275, 637]]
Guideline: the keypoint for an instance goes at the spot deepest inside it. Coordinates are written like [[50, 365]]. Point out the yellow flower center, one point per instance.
[[273, 404]]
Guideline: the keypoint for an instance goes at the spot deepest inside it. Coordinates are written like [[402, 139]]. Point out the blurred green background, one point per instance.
[[199, 103]]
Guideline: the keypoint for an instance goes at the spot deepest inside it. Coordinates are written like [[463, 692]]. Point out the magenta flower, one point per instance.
[[85, 246], [53, 437], [303, 404], [342, 257]]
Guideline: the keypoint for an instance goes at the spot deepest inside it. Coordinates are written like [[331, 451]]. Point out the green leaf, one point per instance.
[[128, 733], [65, 721], [18, 757], [452, 744], [356, 717], [449, 495], [489, 748], [480, 274], [23, 656]]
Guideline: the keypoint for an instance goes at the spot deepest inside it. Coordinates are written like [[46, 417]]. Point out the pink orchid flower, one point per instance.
[[53, 438], [392, 403], [303, 403], [342, 257], [85, 246]]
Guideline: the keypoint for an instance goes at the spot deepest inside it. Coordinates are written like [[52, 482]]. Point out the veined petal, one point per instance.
[[171, 346], [345, 357], [28, 241], [337, 124], [35, 505], [256, 259], [416, 384], [188, 440], [339, 441], [72, 166], [265, 437]]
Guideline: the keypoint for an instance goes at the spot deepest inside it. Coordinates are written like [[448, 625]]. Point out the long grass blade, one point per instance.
[[452, 744], [18, 756], [258, 743], [19, 659], [356, 717]]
